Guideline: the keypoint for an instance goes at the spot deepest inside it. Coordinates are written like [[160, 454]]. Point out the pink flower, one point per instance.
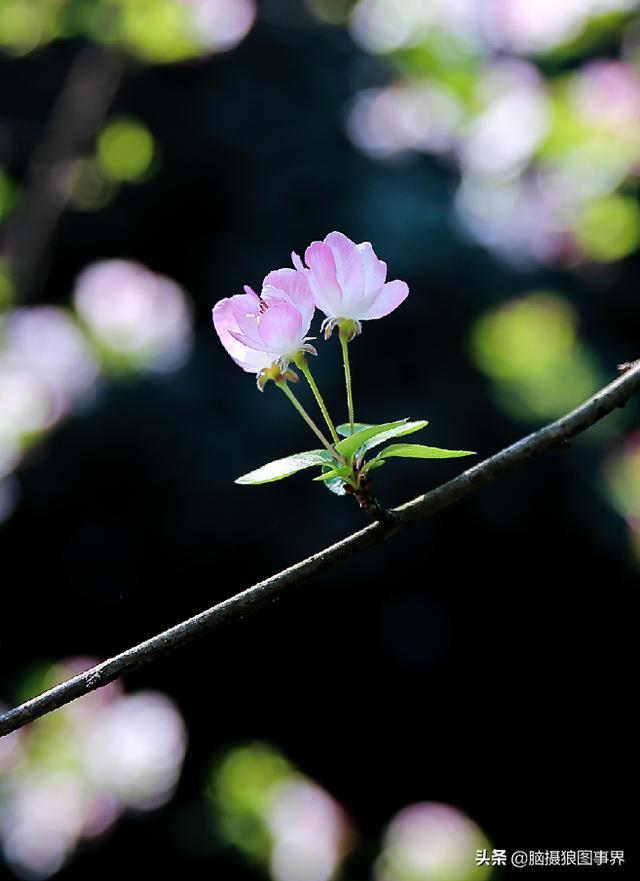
[[262, 331], [349, 282]]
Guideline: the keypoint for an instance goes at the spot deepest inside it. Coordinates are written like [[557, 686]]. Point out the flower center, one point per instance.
[[256, 316]]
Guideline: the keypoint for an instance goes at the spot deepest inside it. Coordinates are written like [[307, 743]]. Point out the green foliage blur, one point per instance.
[[156, 31]]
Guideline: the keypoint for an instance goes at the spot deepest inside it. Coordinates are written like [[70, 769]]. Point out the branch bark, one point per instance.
[[555, 434]]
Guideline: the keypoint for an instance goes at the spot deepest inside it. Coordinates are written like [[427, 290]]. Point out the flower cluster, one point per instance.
[[344, 280], [267, 333]]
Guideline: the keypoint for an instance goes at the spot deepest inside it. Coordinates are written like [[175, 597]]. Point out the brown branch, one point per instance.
[[556, 434]]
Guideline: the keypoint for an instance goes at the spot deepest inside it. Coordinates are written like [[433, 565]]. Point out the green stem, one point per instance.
[[283, 385], [301, 363], [347, 376]]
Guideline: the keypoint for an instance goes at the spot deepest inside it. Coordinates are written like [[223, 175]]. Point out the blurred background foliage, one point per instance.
[[155, 155], [156, 31]]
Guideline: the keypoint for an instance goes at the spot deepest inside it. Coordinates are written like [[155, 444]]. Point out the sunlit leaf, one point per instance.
[[373, 464], [418, 451], [344, 430], [337, 486], [349, 445], [281, 468], [343, 471], [331, 478], [399, 431]]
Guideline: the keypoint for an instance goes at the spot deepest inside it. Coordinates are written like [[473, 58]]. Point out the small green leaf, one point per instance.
[[399, 431], [335, 472], [344, 430], [349, 445], [373, 464], [418, 451], [336, 486], [281, 468]]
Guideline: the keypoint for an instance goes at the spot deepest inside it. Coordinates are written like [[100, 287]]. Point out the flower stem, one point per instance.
[[301, 363], [347, 376], [284, 386]]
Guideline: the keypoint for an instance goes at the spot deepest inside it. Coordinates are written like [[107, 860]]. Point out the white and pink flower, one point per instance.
[[271, 329], [264, 333], [349, 282]]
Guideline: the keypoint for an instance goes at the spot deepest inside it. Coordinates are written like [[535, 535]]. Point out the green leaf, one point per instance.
[[418, 451], [344, 430], [349, 445], [281, 468], [400, 431], [335, 472], [377, 462], [336, 485], [370, 436], [333, 483]]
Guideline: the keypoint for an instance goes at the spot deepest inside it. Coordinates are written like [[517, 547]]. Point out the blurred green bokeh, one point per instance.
[[529, 347], [125, 150], [155, 31]]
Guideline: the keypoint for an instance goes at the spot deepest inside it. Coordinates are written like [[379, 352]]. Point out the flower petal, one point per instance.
[[375, 270], [323, 279], [246, 309], [390, 297], [253, 345], [349, 271], [281, 329], [225, 324], [292, 287]]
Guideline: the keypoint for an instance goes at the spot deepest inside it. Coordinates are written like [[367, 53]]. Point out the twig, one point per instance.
[[77, 116], [601, 404]]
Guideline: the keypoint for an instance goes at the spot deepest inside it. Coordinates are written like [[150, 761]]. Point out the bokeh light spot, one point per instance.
[[529, 348], [276, 817], [430, 841], [137, 319], [21, 26], [609, 228], [86, 185], [125, 150], [528, 335], [71, 774]]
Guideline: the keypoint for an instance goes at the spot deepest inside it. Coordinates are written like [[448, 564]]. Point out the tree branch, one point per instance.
[[553, 435]]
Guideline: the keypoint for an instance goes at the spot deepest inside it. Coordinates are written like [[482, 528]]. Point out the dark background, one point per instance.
[[480, 659]]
